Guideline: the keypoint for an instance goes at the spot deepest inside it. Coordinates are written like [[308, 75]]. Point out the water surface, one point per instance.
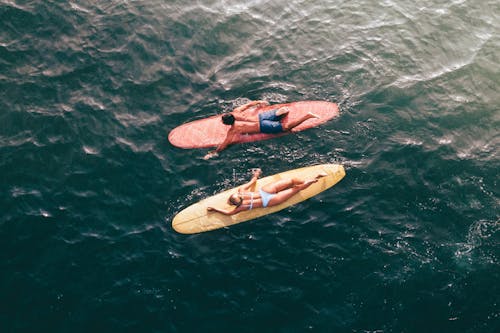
[[407, 242]]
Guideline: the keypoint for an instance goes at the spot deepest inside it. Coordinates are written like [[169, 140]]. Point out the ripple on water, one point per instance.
[[479, 246], [89, 91]]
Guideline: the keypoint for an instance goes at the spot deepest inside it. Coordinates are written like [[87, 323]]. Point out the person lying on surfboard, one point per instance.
[[265, 122], [269, 195]]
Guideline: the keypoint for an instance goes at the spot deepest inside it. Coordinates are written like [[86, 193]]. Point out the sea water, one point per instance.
[[408, 241]]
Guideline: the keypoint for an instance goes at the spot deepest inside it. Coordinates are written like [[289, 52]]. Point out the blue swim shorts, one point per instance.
[[270, 123]]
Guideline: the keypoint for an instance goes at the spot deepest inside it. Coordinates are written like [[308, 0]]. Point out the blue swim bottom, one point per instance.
[[270, 123], [266, 197]]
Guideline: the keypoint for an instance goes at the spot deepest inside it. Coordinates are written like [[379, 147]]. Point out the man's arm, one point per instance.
[[248, 105], [229, 138]]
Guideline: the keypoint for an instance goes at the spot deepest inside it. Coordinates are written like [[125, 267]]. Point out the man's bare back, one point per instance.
[[243, 123]]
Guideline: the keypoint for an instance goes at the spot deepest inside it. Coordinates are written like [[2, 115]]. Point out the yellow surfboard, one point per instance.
[[196, 218]]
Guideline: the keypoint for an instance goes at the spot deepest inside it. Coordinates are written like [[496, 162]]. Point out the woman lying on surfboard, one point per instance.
[[269, 195], [265, 122]]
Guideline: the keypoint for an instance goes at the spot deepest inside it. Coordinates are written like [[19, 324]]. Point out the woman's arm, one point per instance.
[[225, 212], [251, 183]]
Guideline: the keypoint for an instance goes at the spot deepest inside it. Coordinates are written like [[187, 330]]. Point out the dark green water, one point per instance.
[[408, 242]]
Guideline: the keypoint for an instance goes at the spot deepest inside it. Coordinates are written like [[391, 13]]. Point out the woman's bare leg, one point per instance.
[[287, 193], [284, 184], [283, 196], [281, 185]]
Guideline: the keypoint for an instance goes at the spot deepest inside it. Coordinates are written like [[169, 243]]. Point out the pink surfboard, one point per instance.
[[210, 132]]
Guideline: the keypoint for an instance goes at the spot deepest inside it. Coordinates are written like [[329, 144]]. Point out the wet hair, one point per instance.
[[228, 119], [232, 200]]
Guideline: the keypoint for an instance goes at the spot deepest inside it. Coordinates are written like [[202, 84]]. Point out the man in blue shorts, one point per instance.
[[268, 122]]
